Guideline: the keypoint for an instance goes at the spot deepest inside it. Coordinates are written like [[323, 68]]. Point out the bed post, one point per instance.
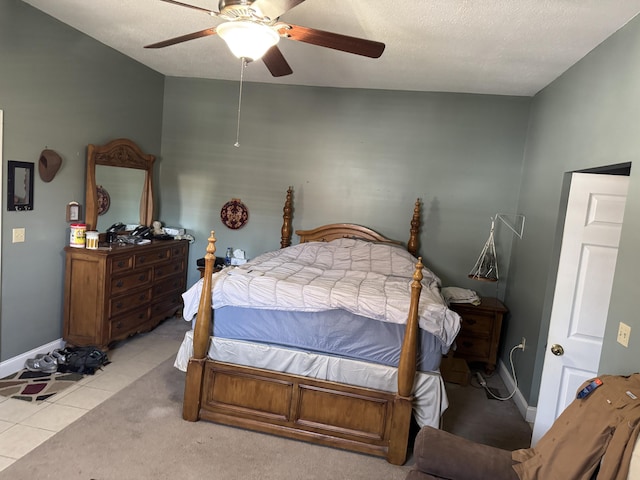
[[412, 246], [401, 421], [407, 363], [285, 241], [195, 368]]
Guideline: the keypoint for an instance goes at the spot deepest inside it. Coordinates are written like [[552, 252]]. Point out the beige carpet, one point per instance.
[[139, 434]]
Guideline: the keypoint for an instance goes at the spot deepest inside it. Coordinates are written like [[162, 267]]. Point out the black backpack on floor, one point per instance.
[[85, 360]]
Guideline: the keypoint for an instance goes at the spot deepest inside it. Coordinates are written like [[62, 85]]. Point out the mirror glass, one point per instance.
[[119, 185], [119, 192]]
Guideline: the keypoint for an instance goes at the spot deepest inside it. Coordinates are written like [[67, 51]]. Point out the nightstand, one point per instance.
[[217, 265], [480, 331]]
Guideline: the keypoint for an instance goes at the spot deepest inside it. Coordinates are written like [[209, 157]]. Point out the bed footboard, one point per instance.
[[326, 413]]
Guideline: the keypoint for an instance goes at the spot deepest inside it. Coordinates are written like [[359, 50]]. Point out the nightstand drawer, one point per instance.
[[473, 347], [480, 331], [477, 324]]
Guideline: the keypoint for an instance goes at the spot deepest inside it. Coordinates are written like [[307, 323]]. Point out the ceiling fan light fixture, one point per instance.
[[247, 39]]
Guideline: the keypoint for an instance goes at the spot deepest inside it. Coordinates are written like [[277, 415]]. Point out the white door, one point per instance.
[[587, 263]]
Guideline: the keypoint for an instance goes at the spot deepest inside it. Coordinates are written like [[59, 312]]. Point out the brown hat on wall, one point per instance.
[[48, 165]]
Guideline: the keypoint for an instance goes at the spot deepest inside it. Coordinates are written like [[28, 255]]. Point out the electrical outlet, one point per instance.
[[523, 343], [18, 235], [624, 332]]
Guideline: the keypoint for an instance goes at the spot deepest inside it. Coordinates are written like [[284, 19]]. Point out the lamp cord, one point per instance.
[[515, 379], [243, 63]]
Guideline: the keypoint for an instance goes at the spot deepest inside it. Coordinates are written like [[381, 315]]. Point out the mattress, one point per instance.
[[331, 332], [367, 279], [430, 399]]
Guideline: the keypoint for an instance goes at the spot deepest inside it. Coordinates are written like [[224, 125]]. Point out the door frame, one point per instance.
[[621, 169]]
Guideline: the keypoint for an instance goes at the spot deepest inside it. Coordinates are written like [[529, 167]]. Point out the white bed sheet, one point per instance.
[[429, 403]]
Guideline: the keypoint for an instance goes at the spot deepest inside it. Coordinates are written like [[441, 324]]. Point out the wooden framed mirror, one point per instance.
[[126, 156]]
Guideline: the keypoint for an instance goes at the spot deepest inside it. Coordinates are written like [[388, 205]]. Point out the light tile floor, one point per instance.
[[25, 425]]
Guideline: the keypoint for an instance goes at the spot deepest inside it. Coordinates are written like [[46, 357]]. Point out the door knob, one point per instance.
[[557, 350]]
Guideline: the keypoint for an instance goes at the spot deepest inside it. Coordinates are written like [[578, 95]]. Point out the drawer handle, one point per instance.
[[159, 271], [121, 263], [119, 284], [467, 344], [119, 325], [141, 316], [142, 296], [160, 255], [119, 305], [142, 259], [142, 277], [470, 322]]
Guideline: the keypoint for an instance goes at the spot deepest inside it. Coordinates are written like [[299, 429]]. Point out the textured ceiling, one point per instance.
[[505, 47]]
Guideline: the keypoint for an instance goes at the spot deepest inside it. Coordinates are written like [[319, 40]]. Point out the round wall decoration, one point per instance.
[[234, 214], [104, 200]]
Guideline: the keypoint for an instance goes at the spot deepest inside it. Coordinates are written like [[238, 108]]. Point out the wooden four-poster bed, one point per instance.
[[304, 407]]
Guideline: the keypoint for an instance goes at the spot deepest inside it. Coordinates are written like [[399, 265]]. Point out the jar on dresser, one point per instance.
[[111, 294]]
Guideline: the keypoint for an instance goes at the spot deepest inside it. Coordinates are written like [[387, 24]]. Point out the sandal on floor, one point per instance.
[[45, 364]]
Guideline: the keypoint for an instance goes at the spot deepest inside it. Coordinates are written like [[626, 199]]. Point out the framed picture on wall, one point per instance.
[[19, 186]]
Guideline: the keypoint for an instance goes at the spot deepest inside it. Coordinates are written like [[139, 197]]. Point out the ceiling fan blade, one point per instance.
[[358, 46], [274, 8], [183, 38], [276, 63], [210, 12]]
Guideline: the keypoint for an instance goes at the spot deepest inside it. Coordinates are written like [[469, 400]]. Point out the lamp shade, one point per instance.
[[247, 39], [486, 267]]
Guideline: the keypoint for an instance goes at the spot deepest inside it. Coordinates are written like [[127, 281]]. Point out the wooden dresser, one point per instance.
[[112, 294], [479, 335]]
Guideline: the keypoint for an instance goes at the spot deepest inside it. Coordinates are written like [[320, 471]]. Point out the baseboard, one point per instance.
[[527, 412], [15, 364]]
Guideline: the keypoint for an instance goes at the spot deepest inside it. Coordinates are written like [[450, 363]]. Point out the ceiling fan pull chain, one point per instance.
[[243, 63]]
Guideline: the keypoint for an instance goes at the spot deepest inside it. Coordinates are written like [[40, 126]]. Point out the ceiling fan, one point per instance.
[[252, 29]]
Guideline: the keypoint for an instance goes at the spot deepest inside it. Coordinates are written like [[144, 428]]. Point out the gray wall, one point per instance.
[[587, 118], [360, 156], [59, 89]]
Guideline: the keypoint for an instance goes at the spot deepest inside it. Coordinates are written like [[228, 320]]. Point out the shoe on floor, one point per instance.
[[45, 364], [59, 356]]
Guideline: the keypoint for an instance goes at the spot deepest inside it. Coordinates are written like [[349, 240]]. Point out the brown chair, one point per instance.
[[442, 455]]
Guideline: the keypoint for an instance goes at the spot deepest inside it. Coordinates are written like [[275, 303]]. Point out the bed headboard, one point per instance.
[[326, 233]]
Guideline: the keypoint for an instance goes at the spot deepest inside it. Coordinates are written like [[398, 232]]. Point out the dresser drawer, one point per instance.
[[171, 284], [179, 250], [128, 322], [123, 303], [153, 257], [120, 264], [170, 304], [136, 279], [164, 271]]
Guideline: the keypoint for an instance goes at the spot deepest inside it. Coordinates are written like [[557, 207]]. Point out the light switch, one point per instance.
[[18, 235]]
